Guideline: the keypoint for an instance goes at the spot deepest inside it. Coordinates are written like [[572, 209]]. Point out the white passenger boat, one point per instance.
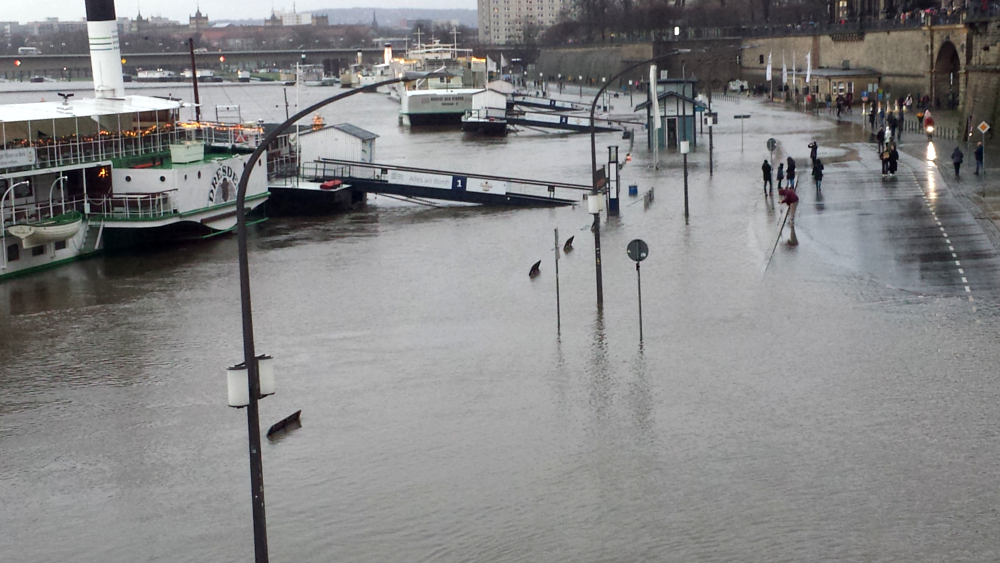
[[78, 175], [444, 94]]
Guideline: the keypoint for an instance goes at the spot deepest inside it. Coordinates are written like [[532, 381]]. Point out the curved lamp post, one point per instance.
[[249, 357], [596, 190]]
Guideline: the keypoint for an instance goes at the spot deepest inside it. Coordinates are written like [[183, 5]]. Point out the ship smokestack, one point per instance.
[[105, 52]]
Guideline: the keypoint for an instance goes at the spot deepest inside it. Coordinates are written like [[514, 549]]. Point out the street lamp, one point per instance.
[[257, 378], [595, 191]]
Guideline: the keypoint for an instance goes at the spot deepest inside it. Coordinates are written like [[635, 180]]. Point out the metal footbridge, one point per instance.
[[482, 189]]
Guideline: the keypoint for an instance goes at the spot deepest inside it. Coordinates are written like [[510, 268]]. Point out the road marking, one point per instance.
[[961, 271]]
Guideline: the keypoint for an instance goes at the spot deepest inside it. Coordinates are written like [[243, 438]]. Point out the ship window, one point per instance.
[[38, 250], [199, 174], [128, 178], [59, 245], [163, 178], [13, 253]]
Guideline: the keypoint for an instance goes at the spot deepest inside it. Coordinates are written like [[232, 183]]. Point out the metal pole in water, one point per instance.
[[558, 315], [638, 279]]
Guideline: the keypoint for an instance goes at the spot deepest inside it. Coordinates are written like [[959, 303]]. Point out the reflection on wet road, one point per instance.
[[904, 230]]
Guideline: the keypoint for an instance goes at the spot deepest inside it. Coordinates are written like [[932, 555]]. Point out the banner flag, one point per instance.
[[768, 74], [654, 97]]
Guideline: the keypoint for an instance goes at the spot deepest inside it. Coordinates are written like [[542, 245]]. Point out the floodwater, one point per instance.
[[830, 401]]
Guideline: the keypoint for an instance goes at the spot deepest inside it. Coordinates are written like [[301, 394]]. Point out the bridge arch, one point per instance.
[[947, 65]]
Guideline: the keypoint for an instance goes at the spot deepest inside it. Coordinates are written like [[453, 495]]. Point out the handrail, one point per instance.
[[62, 192], [3, 225]]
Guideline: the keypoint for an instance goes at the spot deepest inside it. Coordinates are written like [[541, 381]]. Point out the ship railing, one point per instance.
[[38, 211], [135, 206], [487, 114], [69, 150], [219, 134]]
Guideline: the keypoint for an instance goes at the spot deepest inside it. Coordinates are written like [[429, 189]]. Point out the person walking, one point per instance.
[[880, 137], [979, 159], [813, 150], [891, 121], [884, 157], [781, 173], [956, 159], [766, 169], [790, 173], [818, 173], [871, 117], [789, 198], [893, 159]]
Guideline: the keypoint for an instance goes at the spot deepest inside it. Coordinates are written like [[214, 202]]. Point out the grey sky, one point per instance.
[[36, 10]]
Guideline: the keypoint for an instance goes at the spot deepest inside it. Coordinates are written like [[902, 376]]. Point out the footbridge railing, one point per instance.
[[446, 185]]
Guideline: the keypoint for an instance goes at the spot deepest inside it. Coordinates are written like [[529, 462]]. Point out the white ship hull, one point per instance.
[[425, 107]]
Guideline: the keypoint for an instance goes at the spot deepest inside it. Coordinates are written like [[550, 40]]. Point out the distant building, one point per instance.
[[294, 18], [273, 21], [504, 22], [198, 22]]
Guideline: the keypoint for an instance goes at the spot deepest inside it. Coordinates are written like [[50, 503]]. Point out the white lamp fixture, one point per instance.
[[265, 370], [595, 203], [239, 386], [238, 381], [685, 147]]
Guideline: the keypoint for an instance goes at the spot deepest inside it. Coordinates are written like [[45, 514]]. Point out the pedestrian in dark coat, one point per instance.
[[880, 137], [818, 173], [780, 174], [871, 118], [790, 172], [979, 159], [813, 150], [893, 159], [766, 169], [956, 159]]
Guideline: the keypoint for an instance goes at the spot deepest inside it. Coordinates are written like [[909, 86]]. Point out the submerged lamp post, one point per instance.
[[259, 376], [596, 189]]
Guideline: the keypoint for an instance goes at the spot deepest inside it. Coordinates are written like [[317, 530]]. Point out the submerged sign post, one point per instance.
[[741, 118], [638, 251]]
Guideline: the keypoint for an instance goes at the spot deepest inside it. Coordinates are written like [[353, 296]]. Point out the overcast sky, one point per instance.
[[35, 10]]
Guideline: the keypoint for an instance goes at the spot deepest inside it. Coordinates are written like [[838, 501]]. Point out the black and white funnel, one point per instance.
[[105, 52]]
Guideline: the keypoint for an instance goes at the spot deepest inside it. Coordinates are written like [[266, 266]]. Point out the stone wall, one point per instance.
[[962, 60], [592, 62]]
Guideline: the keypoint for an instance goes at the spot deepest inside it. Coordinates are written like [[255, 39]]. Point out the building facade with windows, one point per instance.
[[503, 22]]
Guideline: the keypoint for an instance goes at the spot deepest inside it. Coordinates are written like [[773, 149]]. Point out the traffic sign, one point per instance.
[[637, 250], [772, 144], [983, 127], [741, 117]]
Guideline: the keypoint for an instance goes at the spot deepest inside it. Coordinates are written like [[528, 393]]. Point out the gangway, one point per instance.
[[552, 120], [482, 189], [547, 103]]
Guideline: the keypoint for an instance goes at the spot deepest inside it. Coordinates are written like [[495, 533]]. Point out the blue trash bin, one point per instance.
[[633, 190]]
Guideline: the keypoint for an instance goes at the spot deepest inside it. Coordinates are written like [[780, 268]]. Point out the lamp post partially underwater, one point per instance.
[[256, 376], [596, 191]]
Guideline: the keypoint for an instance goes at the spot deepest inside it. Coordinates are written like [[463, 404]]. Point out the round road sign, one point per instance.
[[637, 250], [772, 144]]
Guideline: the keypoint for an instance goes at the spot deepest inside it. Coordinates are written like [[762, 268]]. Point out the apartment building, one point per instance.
[[503, 22]]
